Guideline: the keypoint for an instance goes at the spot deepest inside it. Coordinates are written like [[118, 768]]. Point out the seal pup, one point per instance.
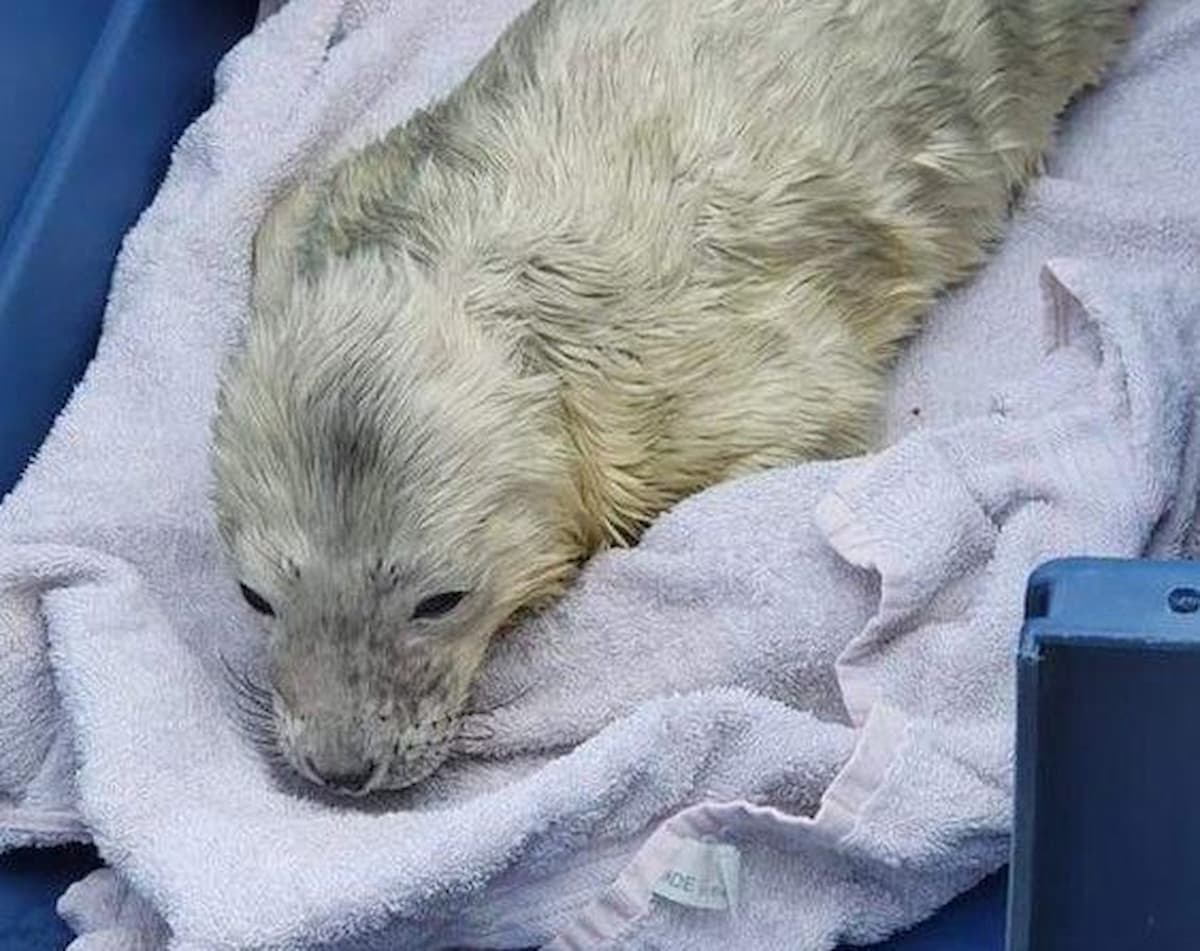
[[646, 246]]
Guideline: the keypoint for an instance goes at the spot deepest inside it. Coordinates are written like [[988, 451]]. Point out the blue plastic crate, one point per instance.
[[93, 94], [1106, 849]]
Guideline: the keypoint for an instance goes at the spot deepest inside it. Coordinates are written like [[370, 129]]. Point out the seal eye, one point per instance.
[[257, 601], [438, 605]]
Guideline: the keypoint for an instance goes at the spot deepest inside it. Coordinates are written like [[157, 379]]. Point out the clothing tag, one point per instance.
[[702, 875]]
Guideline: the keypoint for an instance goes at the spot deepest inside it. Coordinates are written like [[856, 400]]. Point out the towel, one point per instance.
[[783, 720]]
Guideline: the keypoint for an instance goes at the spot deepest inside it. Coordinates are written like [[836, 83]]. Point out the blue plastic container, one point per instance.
[[1106, 849], [93, 96]]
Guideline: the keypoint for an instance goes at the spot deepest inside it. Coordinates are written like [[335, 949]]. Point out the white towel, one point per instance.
[[808, 672]]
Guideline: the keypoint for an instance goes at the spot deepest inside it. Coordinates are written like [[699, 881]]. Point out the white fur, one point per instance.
[[648, 245]]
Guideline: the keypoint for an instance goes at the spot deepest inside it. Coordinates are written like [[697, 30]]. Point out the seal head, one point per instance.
[[390, 494]]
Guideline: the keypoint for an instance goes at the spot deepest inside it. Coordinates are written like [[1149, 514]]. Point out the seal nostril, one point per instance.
[[349, 782]]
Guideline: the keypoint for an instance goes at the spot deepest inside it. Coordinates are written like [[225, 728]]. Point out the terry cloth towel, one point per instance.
[[791, 703]]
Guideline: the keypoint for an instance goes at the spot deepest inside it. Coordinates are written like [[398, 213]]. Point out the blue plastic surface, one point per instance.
[[1106, 850], [36, 82], [94, 95], [972, 922], [30, 883]]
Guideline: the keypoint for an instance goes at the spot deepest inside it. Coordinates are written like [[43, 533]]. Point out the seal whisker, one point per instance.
[[242, 680], [255, 715], [260, 733]]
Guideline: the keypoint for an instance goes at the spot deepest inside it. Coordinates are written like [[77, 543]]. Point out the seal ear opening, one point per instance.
[[278, 243]]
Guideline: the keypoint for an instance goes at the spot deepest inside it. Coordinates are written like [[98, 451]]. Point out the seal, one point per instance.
[[646, 246]]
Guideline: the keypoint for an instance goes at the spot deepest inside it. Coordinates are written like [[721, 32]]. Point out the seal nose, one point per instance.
[[350, 782]]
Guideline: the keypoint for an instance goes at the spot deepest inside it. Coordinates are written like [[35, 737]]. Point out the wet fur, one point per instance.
[[648, 245]]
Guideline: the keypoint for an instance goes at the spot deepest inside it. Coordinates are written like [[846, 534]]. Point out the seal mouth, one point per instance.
[[356, 785], [409, 764], [410, 774], [464, 735], [410, 759]]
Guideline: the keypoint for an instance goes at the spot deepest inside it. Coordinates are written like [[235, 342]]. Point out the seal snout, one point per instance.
[[344, 761], [353, 782]]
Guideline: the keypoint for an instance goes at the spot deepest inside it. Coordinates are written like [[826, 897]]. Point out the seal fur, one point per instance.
[[646, 246]]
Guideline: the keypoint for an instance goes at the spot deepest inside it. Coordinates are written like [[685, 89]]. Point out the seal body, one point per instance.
[[646, 246]]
